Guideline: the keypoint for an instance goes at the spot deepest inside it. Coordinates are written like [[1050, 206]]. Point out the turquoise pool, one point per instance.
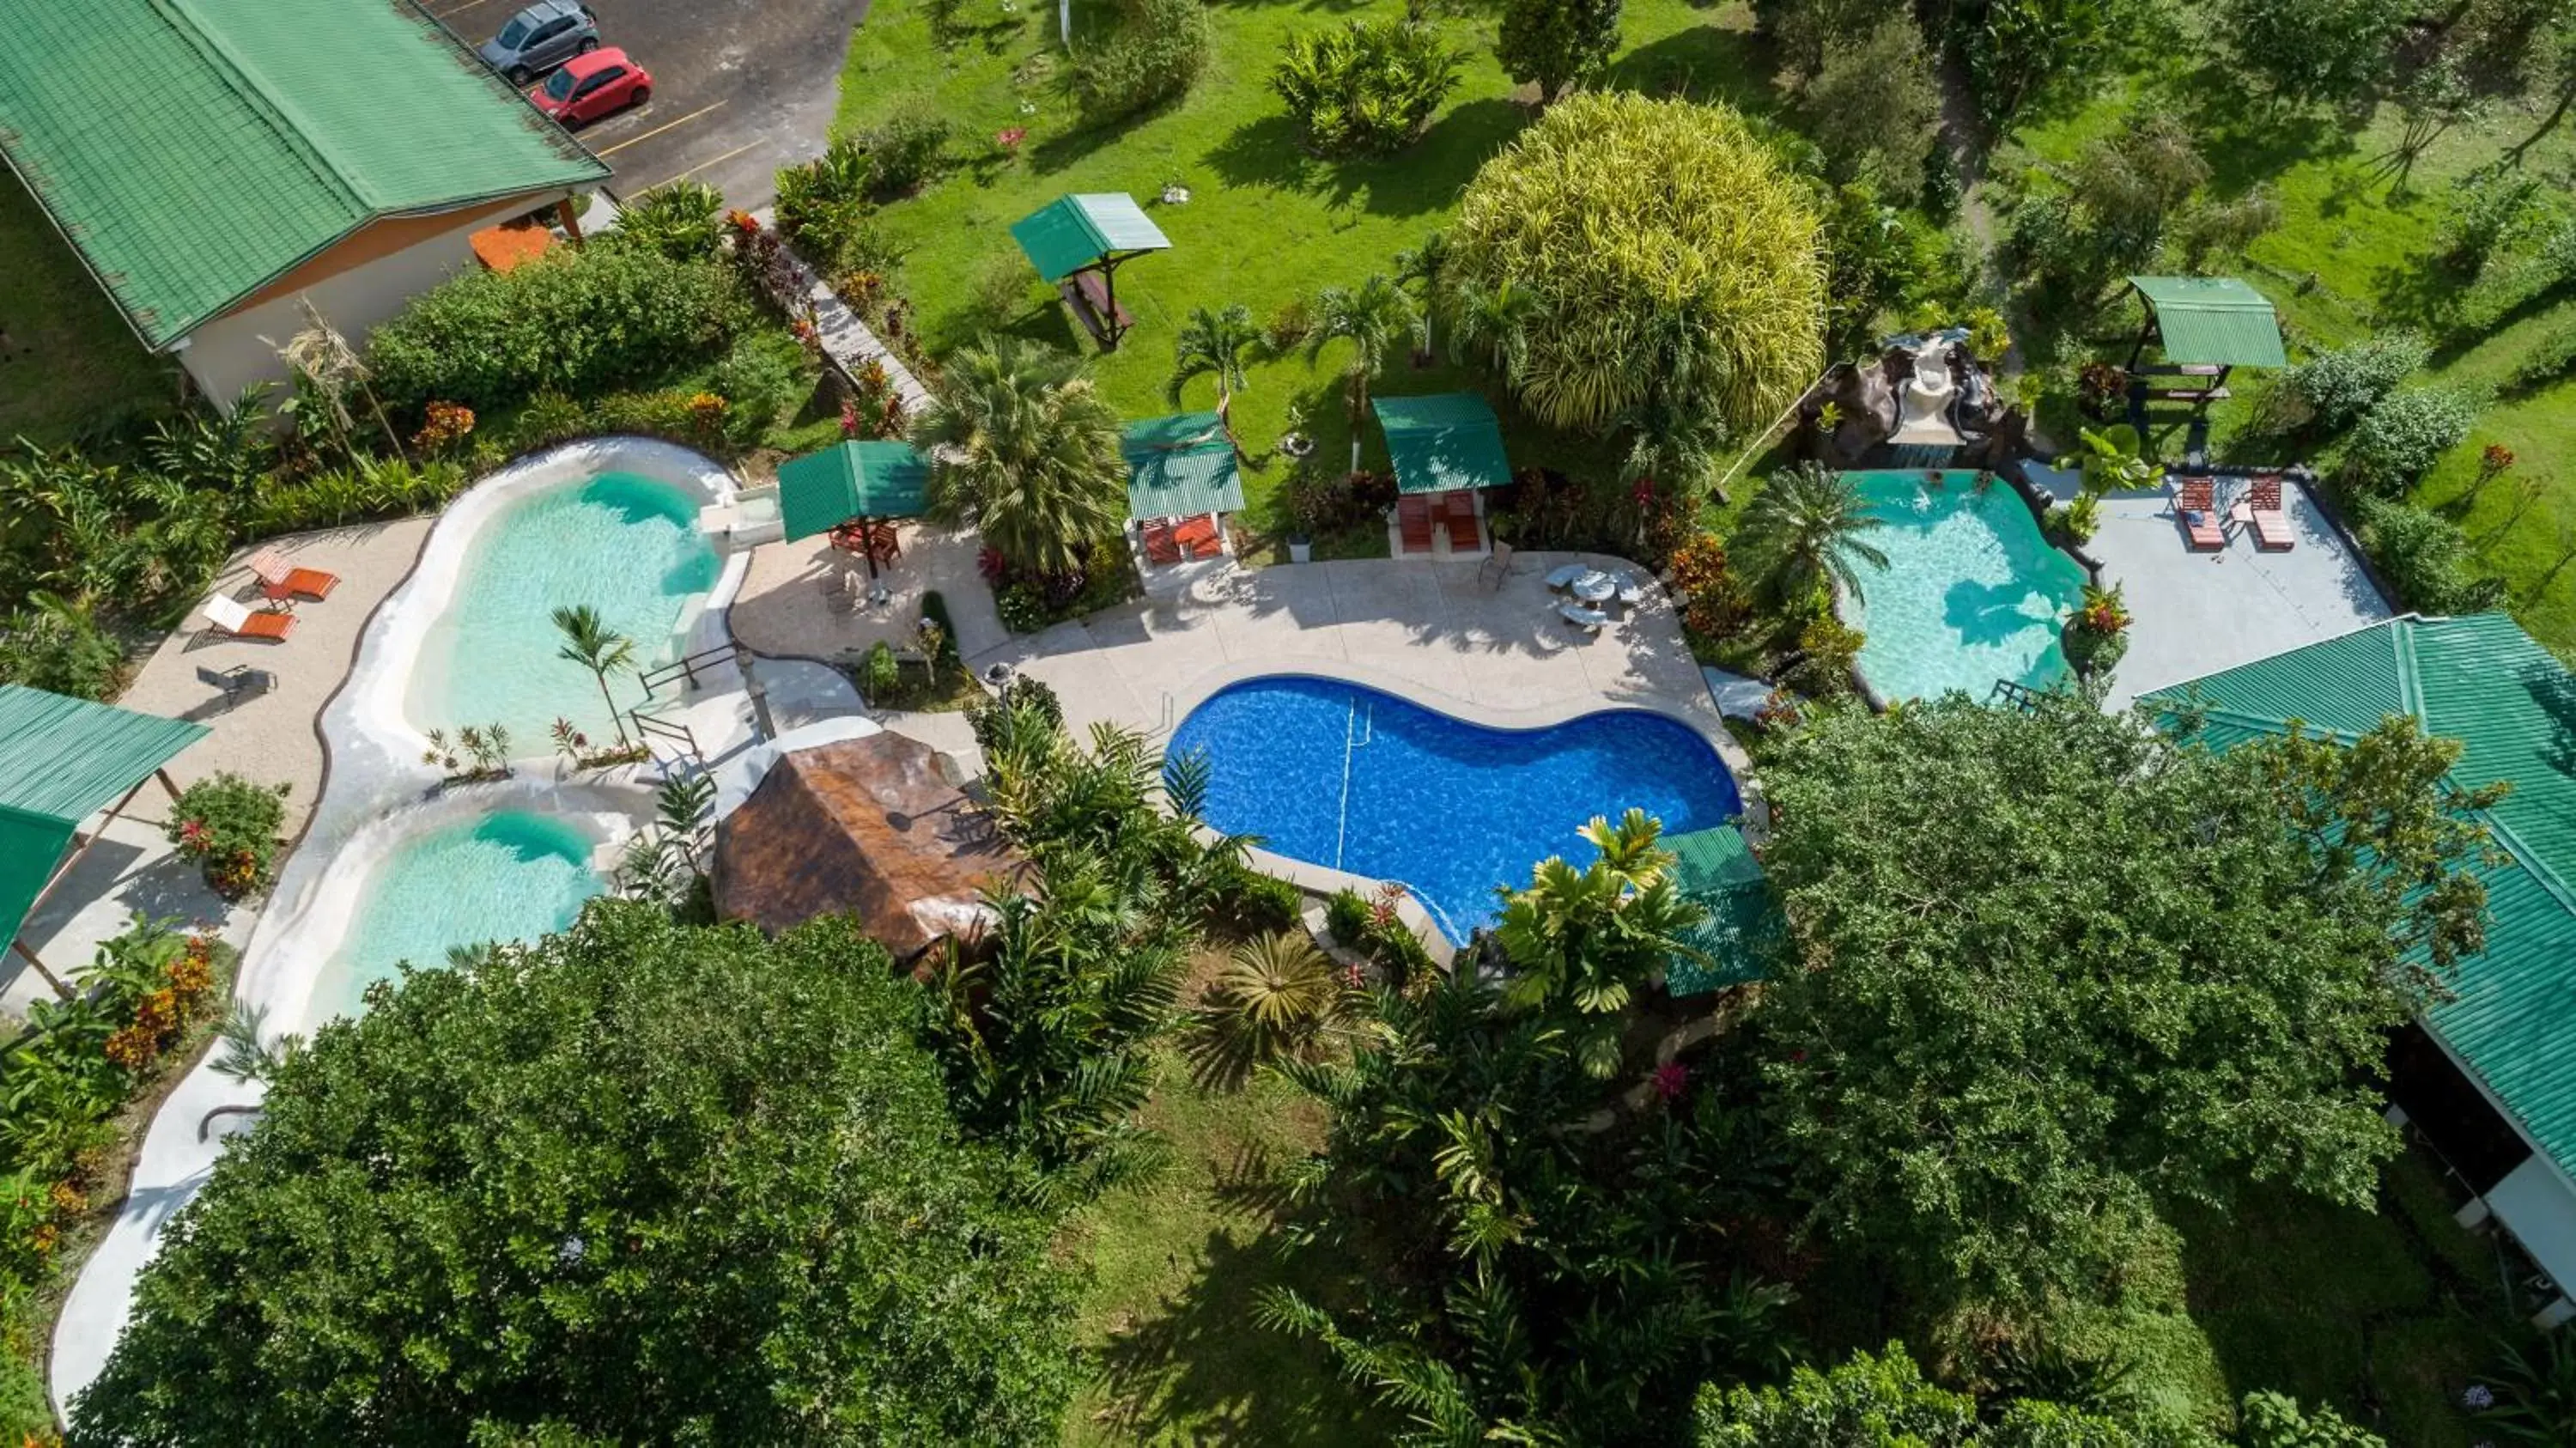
[[626, 545], [1972, 593], [510, 875]]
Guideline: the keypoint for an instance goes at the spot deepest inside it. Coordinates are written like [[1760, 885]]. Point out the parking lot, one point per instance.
[[740, 87]]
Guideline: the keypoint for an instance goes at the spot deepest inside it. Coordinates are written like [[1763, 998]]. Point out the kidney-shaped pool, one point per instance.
[[1344, 776]]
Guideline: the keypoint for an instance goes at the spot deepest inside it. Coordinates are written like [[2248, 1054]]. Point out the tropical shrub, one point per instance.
[[2426, 558], [1716, 602], [54, 646], [1274, 1001], [1553, 44], [579, 322], [2485, 212], [2406, 432], [1661, 257], [2019, 50], [2550, 359], [2097, 632], [2535, 1393], [637, 1153], [1874, 107], [1025, 450], [227, 826], [683, 220], [2314, 50], [366, 489], [762, 377], [2337, 387], [1364, 88], [1155, 55]]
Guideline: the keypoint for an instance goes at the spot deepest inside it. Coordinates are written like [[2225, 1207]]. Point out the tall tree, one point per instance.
[[1024, 449], [1555, 43], [1874, 107], [1374, 317], [1807, 529], [640, 1182], [591, 643], [2055, 971], [1584, 942], [2315, 50], [1425, 268], [1214, 343]]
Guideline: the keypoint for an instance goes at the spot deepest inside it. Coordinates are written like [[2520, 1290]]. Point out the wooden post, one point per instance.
[[2144, 332], [51, 979], [1109, 289], [570, 218]]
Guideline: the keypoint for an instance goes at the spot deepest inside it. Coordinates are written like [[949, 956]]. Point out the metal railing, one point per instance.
[[688, 667], [648, 729]]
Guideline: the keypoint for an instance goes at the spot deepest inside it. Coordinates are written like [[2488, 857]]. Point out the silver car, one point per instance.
[[541, 37]]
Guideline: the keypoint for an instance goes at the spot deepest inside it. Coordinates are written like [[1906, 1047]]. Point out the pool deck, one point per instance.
[[2197, 613], [792, 607]]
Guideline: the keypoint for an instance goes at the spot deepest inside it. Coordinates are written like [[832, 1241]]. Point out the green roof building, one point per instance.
[[1444, 442], [2491, 1076], [1181, 466], [211, 161]]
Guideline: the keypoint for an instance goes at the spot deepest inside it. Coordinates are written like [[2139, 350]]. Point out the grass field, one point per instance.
[[68, 362]]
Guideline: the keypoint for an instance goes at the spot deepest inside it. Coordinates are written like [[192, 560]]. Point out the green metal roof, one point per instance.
[[2217, 321], [1450, 440], [2485, 683], [820, 491], [1717, 869], [194, 150], [61, 761], [1181, 466], [1073, 232]]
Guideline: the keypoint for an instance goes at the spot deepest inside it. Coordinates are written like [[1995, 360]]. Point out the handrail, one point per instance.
[[649, 727], [687, 667]]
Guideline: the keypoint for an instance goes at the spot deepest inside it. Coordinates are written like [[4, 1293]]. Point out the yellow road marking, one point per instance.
[[461, 9], [702, 165], [657, 130]]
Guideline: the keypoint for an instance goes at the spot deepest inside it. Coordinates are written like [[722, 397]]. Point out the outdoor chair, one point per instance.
[[279, 579], [1590, 620], [233, 619], [1498, 563], [2196, 505], [237, 681], [1458, 514]]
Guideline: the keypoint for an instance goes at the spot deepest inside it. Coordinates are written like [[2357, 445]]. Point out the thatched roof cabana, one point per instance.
[[865, 826]]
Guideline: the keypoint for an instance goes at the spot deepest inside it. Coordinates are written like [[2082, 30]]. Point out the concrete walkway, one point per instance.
[[794, 604]]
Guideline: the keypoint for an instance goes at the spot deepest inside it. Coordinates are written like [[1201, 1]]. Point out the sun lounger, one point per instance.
[[1590, 620], [1458, 512], [230, 618], [2196, 504], [1562, 578], [1198, 537], [238, 680], [279, 579], [1160, 546], [2263, 514], [1413, 522]]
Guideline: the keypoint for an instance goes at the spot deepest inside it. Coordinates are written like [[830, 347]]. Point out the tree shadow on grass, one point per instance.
[[2245, 137], [1702, 63], [1422, 178]]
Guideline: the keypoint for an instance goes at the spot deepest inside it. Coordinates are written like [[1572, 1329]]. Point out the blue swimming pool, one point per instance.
[[1341, 775], [1972, 592]]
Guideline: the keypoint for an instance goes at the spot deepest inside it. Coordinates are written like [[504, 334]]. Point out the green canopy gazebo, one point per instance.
[[1447, 442], [1182, 478], [61, 761], [867, 483], [1077, 243], [1716, 869], [2206, 325]]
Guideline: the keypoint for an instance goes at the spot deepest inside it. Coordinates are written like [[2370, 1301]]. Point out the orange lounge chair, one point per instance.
[[278, 579], [1160, 547], [2263, 514], [1458, 512], [231, 618], [2196, 504], [1413, 522], [1197, 537]]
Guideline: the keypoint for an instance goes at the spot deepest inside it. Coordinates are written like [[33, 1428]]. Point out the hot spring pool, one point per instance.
[[1344, 776], [1972, 593], [624, 544], [508, 876]]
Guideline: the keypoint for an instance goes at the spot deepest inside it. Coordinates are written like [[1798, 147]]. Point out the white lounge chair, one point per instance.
[[1590, 620], [231, 619], [1563, 578]]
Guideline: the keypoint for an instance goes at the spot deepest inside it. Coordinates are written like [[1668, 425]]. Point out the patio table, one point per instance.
[[1594, 587]]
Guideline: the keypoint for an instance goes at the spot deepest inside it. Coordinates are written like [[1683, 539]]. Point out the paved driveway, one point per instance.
[[740, 87]]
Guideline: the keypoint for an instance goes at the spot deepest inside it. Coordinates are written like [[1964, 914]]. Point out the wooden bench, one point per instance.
[[1087, 293], [2188, 394]]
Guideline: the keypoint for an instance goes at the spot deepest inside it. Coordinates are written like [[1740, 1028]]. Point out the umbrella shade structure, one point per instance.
[[867, 826], [1180, 467], [821, 491], [1444, 442], [1716, 868], [2208, 322], [1078, 242], [61, 761]]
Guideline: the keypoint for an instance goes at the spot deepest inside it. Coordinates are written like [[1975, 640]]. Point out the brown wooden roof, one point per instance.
[[866, 827]]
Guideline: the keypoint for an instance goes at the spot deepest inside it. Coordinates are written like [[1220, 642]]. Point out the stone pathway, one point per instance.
[[846, 339]]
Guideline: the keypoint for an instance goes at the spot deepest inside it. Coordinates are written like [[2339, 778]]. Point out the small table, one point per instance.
[[1594, 587]]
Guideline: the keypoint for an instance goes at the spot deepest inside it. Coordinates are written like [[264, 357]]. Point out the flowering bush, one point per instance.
[[227, 826], [1716, 602], [2096, 633], [448, 423]]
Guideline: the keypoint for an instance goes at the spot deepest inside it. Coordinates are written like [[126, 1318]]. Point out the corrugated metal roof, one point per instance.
[[194, 150], [875, 479], [1444, 441], [1073, 232], [2512, 707], [1717, 869], [2213, 320], [61, 761], [1181, 466]]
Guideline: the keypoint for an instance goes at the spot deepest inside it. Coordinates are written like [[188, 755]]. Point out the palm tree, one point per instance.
[[249, 1053], [1273, 1000], [1493, 323], [1213, 344], [591, 643], [1425, 268], [1804, 533], [1587, 939], [1024, 450], [1374, 317]]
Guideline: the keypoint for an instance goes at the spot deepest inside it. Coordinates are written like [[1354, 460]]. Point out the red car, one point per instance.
[[588, 87]]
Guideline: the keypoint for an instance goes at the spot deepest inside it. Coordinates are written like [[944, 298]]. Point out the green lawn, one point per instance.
[[68, 362], [2350, 258], [1265, 224]]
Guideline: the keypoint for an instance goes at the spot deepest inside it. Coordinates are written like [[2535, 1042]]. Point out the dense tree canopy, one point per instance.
[[640, 1182], [1554, 43], [2058, 972], [1657, 244], [2315, 50]]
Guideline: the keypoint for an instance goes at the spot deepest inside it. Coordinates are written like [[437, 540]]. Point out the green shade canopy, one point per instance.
[[2213, 321], [1451, 440], [1716, 869], [194, 150], [61, 761], [1073, 232], [820, 491], [1181, 466]]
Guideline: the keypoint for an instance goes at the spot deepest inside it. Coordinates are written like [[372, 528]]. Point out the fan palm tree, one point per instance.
[[1024, 450], [1272, 1001], [1214, 344], [591, 643], [1374, 317], [1425, 268], [1805, 532]]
